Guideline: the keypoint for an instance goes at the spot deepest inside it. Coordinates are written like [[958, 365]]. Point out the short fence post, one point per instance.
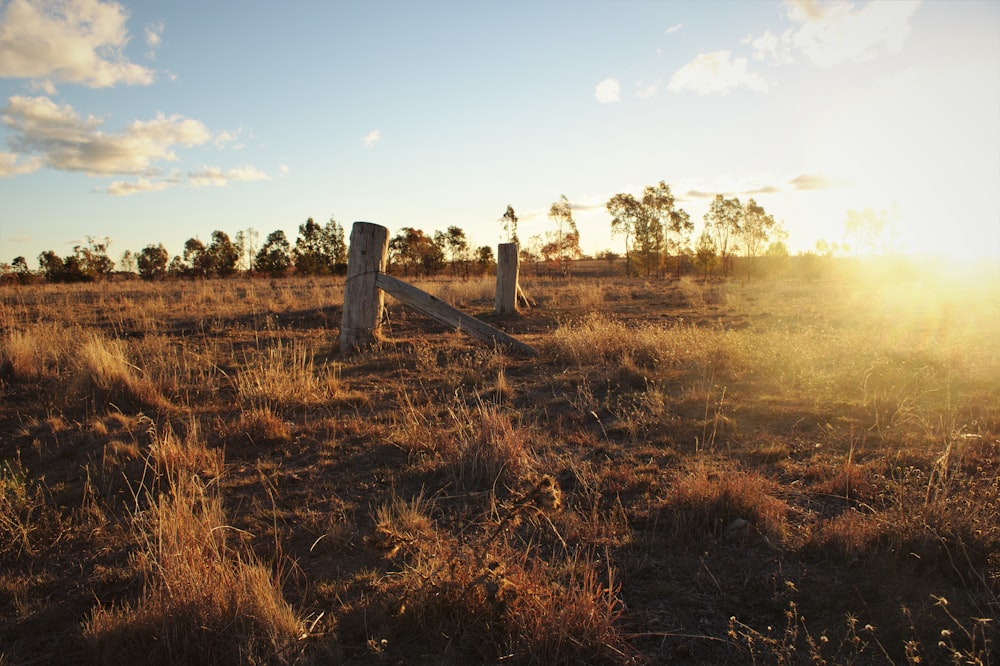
[[363, 301], [507, 274]]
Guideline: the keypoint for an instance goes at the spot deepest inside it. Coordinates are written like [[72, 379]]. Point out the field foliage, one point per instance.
[[768, 471]]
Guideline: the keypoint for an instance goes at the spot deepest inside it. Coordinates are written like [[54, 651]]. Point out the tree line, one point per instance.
[[657, 235], [657, 230]]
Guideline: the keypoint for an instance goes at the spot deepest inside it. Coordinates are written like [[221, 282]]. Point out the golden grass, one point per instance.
[[286, 376], [202, 480], [207, 600], [104, 378]]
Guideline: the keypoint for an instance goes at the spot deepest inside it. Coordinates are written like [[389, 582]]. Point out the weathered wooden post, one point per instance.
[[507, 274], [363, 300]]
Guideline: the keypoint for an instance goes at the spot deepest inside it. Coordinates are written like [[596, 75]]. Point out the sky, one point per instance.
[[149, 123]]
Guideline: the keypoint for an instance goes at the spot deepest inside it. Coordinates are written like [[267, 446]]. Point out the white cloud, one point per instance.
[[121, 188], [716, 72], [214, 176], [674, 28], [11, 164], [772, 48], [72, 41], [646, 90], [835, 33], [232, 140], [44, 86], [65, 141], [372, 137], [154, 37], [608, 91], [816, 181]]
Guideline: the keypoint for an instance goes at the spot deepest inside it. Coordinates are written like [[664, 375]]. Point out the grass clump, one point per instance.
[[709, 501], [104, 377], [286, 376], [207, 600]]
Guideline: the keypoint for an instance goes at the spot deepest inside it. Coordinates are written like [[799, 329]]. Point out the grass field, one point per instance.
[[773, 471]]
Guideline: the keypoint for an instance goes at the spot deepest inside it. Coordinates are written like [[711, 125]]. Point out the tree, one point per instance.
[[531, 253], [432, 258], [723, 220], [246, 243], [675, 223], [274, 256], [705, 252], [337, 245], [414, 251], [178, 267], [566, 244], [21, 270], [87, 263], [756, 228], [51, 265], [509, 222], [485, 260], [198, 262], [93, 258], [458, 249], [755, 231], [312, 251], [152, 262], [649, 232], [626, 213], [871, 231], [222, 255], [656, 224], [127, 263]]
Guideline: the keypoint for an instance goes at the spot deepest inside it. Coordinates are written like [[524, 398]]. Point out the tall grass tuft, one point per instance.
[[713, 502], [105, 377], [39, 350], [287, 376], [489, 448], [207, 600]]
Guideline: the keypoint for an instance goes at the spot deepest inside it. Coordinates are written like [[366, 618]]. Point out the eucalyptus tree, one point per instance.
[[724, 222], [458, 248], [311, 253], [566, 244], [626, 213], [705, 252], [413, 250], [152, 262], [509, 223], [87, 263], [274, 256], [669, 226], [222, 255], [334, 232], [196, 256], [21, 270], [246, 242], [756, 229]]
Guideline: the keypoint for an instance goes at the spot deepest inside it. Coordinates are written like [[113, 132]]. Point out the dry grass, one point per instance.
[[104, 376], [207, 599], [286, 376], [700, 472]]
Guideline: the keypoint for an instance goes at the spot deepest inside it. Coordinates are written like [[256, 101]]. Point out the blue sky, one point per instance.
[[156, 122]]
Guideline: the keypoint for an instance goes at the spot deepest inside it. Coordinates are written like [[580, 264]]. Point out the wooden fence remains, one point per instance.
[[367, 281]]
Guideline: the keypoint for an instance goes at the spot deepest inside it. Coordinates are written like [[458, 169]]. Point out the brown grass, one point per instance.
[[694, 472], [207, 599]]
